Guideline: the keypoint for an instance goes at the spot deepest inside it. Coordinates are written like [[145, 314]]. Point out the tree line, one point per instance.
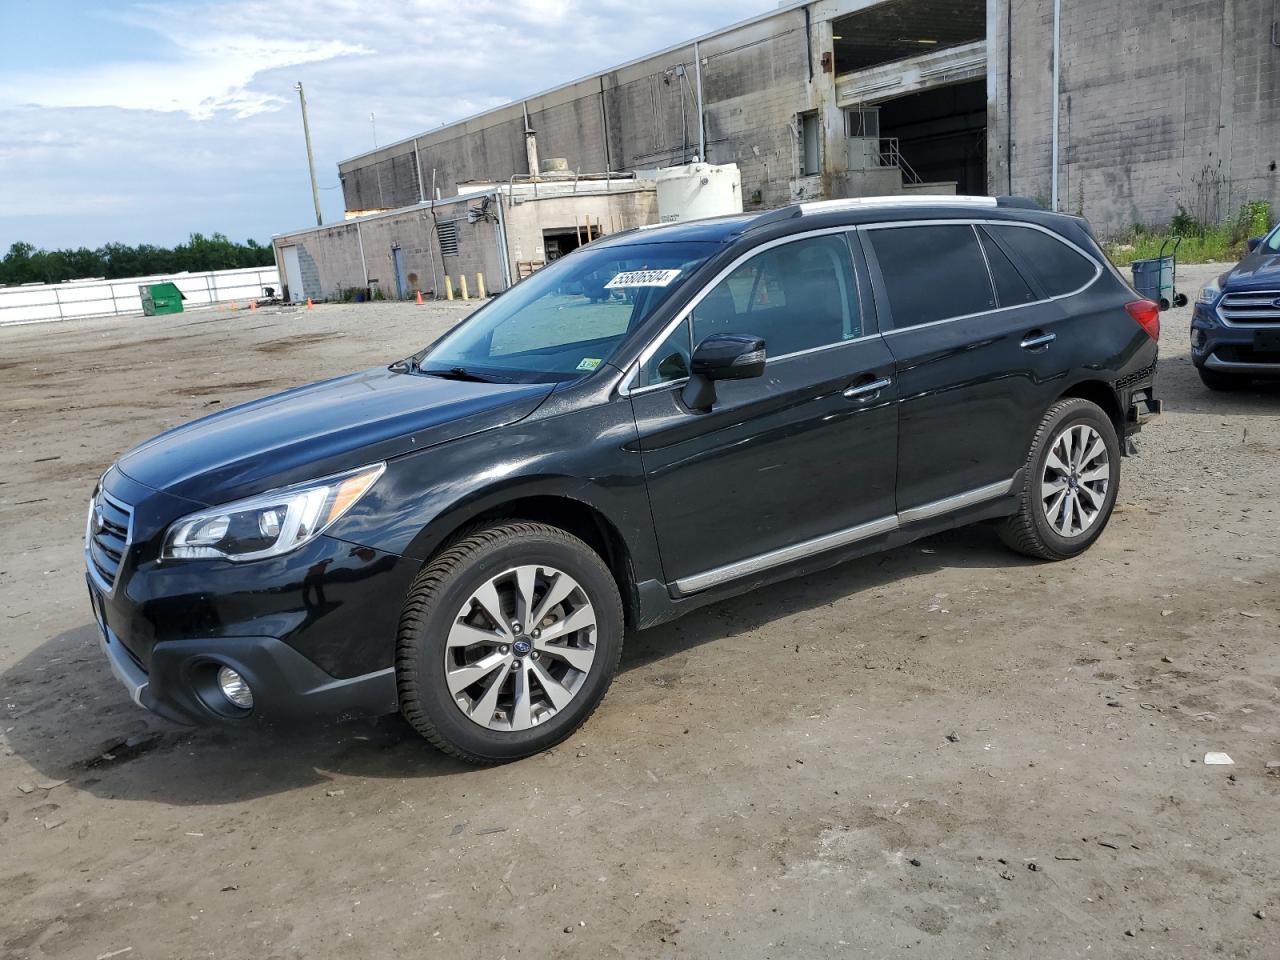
[[24, 263]]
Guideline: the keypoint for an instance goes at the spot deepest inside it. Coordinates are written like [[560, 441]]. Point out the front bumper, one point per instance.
[[180, 682], [1247, 350], [313, 631]]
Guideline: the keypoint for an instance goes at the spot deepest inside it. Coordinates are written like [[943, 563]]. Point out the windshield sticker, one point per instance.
[[642, 278], [589, 363]]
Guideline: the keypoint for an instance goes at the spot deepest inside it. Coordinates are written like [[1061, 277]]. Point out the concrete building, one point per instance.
[[1157, 103], [488, 236]]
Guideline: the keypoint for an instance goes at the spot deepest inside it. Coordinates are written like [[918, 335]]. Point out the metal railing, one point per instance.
[[75, 299], [891, 156]]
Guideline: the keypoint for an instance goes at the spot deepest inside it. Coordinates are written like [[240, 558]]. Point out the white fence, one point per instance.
[[42, 302]]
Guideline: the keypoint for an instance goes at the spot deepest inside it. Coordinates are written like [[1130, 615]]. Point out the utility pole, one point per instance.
[[311, 159]]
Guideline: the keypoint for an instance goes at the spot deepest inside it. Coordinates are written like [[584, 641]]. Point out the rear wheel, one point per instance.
[[508, 640], [1071, 480], [1225, 382]]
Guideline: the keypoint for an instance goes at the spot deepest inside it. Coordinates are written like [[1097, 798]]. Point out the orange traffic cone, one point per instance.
[[310, 305], [253, 304], [234, 306], [419, 298]]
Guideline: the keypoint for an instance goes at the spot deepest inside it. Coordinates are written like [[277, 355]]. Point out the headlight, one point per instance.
[[1209, 293], [269, 524]]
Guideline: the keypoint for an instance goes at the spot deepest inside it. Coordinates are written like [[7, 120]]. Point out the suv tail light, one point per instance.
[[1147, 313]]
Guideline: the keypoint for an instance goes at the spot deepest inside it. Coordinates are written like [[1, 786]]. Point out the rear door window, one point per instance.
[[1059, 268], [932, 272]]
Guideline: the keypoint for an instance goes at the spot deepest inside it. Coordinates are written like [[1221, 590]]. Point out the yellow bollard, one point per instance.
[[462, 285], [448, 287], [480, 285]]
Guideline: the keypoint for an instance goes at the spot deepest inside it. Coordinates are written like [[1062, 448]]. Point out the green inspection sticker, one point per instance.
[[589, 363]]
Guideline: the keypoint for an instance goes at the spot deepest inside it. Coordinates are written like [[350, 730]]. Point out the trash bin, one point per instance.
[[1154, 279], [159, 299]]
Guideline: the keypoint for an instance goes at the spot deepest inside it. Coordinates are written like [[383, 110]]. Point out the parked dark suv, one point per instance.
[[1235, 328], [463, 535]]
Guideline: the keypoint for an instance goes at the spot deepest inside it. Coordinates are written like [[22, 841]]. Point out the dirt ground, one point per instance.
[[946, 751]]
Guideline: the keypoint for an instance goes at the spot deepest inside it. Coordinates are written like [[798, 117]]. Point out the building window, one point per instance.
[[447, 233], [810, 144], [863, 123]]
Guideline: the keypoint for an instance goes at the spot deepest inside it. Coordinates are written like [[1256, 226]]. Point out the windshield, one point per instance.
[[1272, 243], [568, 318]]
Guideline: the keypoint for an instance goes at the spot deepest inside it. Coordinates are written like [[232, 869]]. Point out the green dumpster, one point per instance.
[[159, 299]]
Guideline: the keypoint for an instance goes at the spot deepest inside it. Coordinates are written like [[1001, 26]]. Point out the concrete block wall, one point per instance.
[[331, 257], [614, 212], [1163, 102], [334, 253], [757, 76]]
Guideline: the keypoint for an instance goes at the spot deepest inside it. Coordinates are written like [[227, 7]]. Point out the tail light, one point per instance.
[[1147, 313]]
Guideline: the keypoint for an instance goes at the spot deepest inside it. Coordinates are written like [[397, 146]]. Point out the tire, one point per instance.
[[446, 611], [1031, 531], [1222, 382]]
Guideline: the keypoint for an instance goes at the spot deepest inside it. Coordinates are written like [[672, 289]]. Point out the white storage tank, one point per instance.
[[698, 190]]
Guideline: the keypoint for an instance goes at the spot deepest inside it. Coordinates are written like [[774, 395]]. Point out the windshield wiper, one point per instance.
[[457, 373]]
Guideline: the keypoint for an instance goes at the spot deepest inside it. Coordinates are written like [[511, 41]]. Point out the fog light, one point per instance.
[[235, 688]]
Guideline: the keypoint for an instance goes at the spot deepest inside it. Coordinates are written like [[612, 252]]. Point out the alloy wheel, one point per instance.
[[1077, 475], [521, 647]]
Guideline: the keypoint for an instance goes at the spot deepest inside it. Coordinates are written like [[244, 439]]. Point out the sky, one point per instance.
[[144, 122]]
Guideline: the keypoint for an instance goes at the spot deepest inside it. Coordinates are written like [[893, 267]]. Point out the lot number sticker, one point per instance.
[[589, 363], [642, 278]]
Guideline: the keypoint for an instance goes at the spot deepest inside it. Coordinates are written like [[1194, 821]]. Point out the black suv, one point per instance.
[[1235, 328], [465, 535]]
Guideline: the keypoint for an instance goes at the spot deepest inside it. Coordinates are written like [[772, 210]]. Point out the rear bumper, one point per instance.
[[1136, 393], [180, 684]]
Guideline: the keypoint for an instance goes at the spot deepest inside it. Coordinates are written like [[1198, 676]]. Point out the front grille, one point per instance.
[[1251, 307], [107, 539]]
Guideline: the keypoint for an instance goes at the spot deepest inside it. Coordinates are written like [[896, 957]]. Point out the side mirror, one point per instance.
[[729, 356], [1254, 243], [722, 356]]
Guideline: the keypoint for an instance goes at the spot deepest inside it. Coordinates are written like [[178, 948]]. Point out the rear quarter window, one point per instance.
[[1059, 268]]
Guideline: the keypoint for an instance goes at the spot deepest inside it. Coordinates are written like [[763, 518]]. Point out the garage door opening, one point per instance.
[[941, 134], [560, 243]]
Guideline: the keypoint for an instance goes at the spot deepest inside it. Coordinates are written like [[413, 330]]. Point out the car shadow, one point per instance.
[[70, 719]]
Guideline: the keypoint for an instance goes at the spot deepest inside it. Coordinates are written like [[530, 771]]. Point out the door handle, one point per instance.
[[1034, 340], [865, 391]]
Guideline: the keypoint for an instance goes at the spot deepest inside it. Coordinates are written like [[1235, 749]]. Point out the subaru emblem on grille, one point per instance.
[[1276, 302]]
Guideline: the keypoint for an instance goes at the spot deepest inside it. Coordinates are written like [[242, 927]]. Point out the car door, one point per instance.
[[780, 462], [977, 361]]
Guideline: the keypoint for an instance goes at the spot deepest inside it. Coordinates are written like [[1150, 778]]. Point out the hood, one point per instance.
[[1257, 271], [321, 429]]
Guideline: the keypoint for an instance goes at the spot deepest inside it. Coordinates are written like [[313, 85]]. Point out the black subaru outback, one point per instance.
[[465, 535]]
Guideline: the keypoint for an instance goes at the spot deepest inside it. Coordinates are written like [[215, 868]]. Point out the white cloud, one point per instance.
[[210, 118]]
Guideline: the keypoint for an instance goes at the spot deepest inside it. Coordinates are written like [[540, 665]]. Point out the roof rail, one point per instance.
[[809, 208], [1020, 203]]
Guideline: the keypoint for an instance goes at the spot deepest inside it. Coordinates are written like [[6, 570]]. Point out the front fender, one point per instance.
[[588, 455]]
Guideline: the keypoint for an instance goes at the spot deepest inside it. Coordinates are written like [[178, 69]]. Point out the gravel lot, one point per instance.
[[945, 751]]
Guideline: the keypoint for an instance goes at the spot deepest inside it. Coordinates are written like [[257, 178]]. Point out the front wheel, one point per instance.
[[508, 640], [1071, 480]]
